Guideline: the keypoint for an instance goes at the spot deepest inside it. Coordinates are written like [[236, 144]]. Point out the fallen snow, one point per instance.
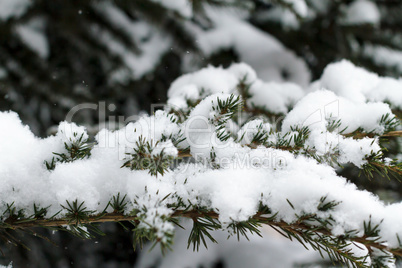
[[235, 190], [362, 12], [320, 107], [384, 56], [13, 8], [273, 96], [33, 35], [260, 50], [242, 177], [360, 85]]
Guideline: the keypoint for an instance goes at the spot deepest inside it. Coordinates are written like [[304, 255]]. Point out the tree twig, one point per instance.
[[118, 217]]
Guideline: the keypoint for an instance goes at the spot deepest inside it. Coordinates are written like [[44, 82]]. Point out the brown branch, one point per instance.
[[184, 154], [193, 214], [393, 134], [394, 169], [360, 135]]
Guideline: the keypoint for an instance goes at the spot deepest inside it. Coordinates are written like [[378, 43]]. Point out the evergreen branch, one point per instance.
[[76, 149], [144, 158], [255, 110], [361, 135], [373, 165], [393, 134], [295, 228], [383, 167]]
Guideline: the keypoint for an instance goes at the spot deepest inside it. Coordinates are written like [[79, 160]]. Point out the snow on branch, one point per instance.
[[211, 157]]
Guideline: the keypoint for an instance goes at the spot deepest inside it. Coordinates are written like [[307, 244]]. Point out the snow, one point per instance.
[[166, 147], [273, 96], [71, 133], [360, 85], [320, 107], [261, 51], [22, 170], [3, 73], [151, 43], [287, 13], [362, 12], [248, 131], [234, 192], [208, 81], [227, 177], [384, 56], [244, 72], [299, 6], [200, 131], [33, 35], [13, 8]]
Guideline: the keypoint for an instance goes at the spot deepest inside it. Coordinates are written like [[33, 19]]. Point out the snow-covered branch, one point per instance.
[[208, 158]]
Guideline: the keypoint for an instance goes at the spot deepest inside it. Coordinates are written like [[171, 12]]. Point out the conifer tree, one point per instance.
[[153, 185], [234, 149]]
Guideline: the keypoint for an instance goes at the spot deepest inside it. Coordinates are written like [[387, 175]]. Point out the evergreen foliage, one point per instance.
[[308, 228], [81, 66]]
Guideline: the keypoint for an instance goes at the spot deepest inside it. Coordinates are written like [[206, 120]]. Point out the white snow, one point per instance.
[[151, 43], [33, 35], [261, 51], [23, 174], [362, 12], [384, 56], [287, 13], [250, 129], [319, 107], [166, 147], [197, 85], [13, 8], [242, 177], [299, 6], [273, 96], [235, 190], [360, 85], [71, 133]]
